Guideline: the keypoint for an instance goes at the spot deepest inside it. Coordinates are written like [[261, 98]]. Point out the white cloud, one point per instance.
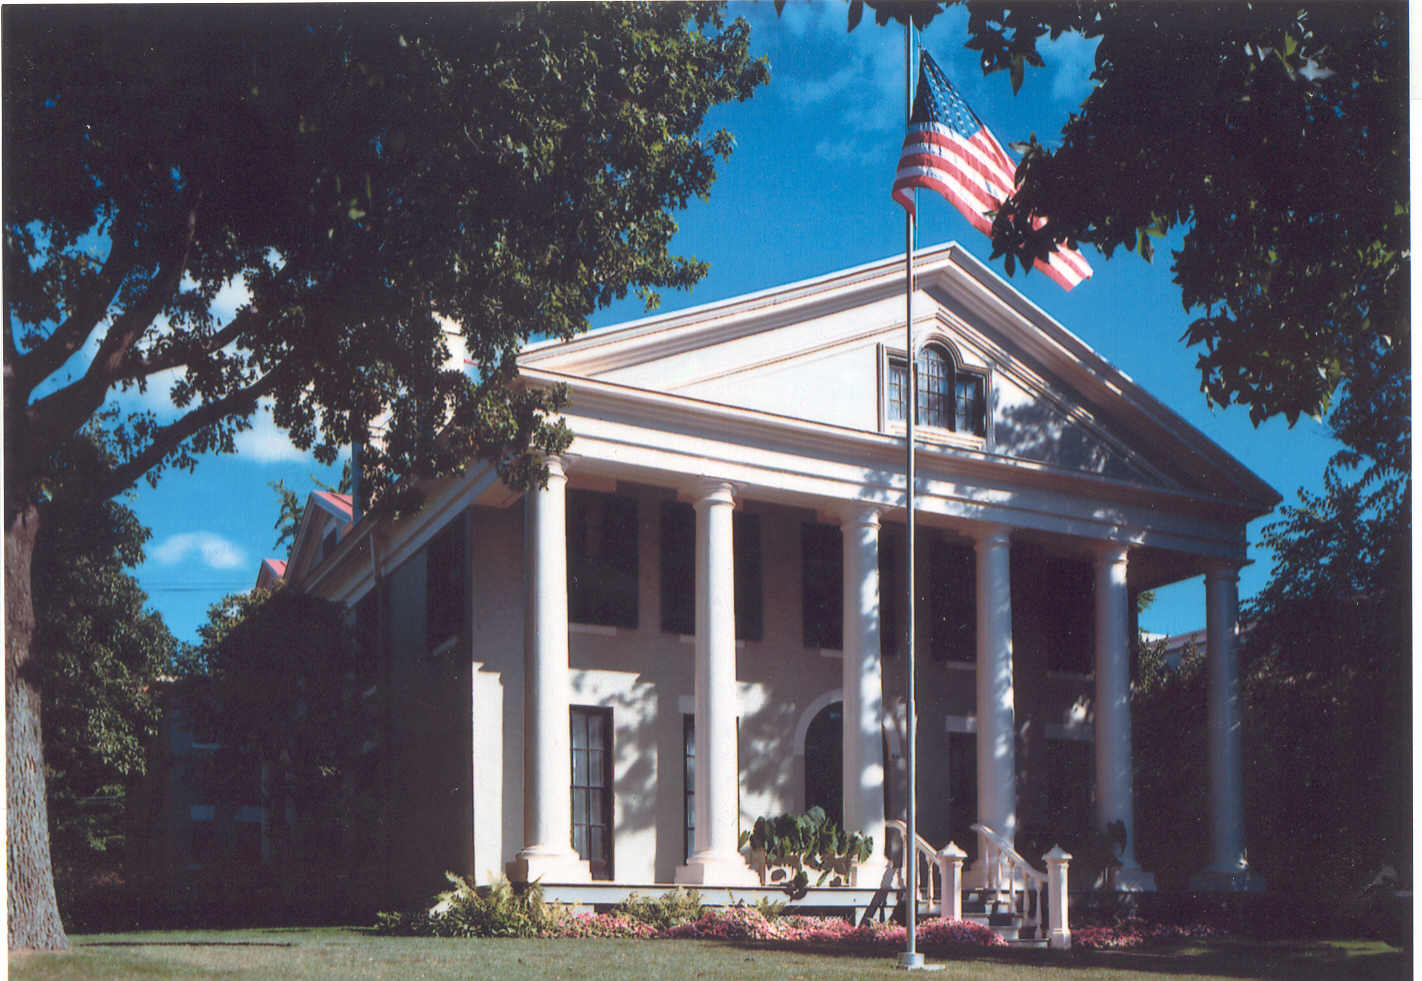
[[847, 151], [232, 295], [210, 548], [1072, 59], [265, 442]]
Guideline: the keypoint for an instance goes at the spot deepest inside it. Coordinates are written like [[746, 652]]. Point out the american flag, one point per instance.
[[949, 150]]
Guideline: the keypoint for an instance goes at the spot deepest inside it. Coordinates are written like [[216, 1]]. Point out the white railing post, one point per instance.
[[950, 880], [1057, 862]]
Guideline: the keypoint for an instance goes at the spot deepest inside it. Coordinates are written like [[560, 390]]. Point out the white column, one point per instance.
[[997, 776], [717, 860], [547, 853], [1228, 869], [863, 689], [1115, 794]]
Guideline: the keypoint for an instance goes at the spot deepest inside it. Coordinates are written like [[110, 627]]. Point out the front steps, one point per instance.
[[990, 908]]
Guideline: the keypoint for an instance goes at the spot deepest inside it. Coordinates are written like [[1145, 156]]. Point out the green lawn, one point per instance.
[[350, 953]]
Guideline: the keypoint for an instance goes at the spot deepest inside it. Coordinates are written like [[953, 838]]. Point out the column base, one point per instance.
[[704, 869], [870, 874], [547, 865], [1059, 940], [1230, 879], [1131, 879]]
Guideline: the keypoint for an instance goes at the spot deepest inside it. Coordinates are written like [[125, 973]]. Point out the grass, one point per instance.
[[333, 952]]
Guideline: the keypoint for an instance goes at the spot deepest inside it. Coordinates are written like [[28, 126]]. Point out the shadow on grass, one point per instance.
[[186, 943], [1222, 957]]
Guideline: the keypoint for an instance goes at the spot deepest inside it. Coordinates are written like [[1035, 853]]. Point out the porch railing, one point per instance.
[[929, 886], [1028, 890]]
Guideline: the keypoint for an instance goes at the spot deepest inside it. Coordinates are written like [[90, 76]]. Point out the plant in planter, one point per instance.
[[785, 850]]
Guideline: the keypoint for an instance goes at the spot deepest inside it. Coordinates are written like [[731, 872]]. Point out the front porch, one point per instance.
[[1000, 692]]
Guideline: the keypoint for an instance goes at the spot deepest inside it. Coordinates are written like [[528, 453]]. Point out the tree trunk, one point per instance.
[[34, 911]]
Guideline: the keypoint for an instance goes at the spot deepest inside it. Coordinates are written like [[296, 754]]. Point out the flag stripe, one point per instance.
[[948, 150]]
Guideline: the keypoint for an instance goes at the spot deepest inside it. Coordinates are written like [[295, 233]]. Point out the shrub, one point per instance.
[[671, 909], [466, 911]]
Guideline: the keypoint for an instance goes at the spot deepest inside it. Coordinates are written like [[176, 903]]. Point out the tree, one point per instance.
[[105, 651], [1329, 667], [276, 677], [1275, 134], [388, 186]]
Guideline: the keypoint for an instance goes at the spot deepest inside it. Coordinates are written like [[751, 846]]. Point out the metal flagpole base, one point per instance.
[[914, 962]]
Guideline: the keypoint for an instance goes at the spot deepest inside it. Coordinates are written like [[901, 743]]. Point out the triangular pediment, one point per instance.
[[825, 351]]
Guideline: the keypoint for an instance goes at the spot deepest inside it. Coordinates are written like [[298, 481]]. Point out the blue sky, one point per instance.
[[806, 193]]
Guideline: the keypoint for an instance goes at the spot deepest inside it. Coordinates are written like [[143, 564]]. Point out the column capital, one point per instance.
[[991, 534], [557, 466], [711, 490], [859, 513], [1110, 553], [1222, 569]]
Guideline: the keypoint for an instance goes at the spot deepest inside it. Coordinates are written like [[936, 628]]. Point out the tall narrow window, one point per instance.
[[745, 537], [1070, 615], [952, 612], [688, 739], [678, 554], [968, 411], [963, 789], [1070, 778], [444, 585], [892, 623], [678, 578], [592, 787], [822, 585], [602, 558]]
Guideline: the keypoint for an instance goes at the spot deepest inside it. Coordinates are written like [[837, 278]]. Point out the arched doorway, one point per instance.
[[824, 762]]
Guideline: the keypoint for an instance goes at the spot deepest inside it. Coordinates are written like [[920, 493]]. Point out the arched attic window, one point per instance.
[[949, 397]]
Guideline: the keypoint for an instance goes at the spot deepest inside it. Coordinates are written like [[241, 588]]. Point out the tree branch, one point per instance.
[[138, 366], [64, 411], [47, 357], [167, 438]]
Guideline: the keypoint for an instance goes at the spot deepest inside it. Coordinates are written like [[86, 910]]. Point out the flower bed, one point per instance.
[[745, 923], [1136, 933]]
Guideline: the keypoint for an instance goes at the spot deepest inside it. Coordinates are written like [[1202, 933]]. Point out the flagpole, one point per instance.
[[910, 958]]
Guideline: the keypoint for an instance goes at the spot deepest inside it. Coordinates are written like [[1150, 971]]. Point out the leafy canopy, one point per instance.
[[395, 189], [105, 651], [1275, 135]]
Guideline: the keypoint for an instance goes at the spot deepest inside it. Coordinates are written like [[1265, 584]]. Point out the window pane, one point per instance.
[[745, 539], [594, 729], [602, 558], [934, 378], [595, 768], [580, 807], [822, 578], [597, 843], [898, 381], [678, 554], [594, 808], [580, 768], [580, 729], [969, 409], [580, 840]]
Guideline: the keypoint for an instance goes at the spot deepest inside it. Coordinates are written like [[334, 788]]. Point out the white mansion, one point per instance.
[[700, 619]]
